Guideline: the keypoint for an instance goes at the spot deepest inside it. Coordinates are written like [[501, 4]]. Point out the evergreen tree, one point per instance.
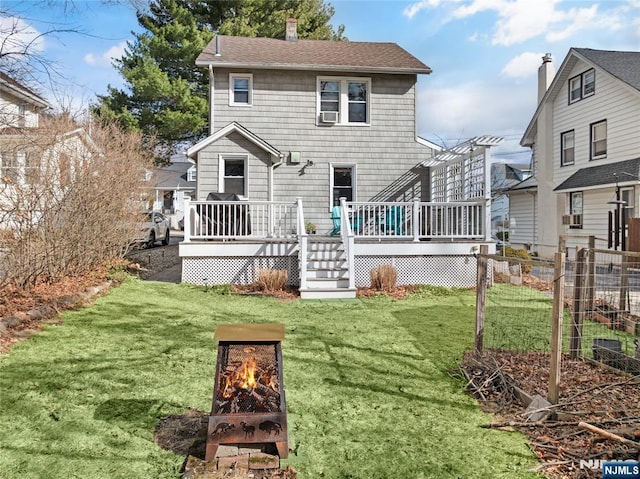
[[166, 93]]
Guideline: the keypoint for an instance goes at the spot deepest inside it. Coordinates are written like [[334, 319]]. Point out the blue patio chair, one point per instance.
[[335, 217], [394, 220]]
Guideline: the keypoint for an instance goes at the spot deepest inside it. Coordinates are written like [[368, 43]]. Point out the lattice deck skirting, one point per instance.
[[448, 270]]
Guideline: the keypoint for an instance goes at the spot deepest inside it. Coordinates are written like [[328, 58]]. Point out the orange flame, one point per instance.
[[243, 378]]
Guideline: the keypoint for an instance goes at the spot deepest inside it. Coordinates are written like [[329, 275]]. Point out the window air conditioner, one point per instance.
[[329, 116], [572, 220]]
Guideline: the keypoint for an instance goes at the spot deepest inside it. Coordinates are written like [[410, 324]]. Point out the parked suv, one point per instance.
[[156, 228]]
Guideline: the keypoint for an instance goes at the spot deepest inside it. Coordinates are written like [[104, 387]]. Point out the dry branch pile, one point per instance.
[[599, 409]]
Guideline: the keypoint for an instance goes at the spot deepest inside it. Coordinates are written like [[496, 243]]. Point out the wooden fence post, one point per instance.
[[556, 328], [591, 276], [575, 342], [481, 294]]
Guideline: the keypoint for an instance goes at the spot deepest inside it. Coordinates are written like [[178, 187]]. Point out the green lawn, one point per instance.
[[368, 386]]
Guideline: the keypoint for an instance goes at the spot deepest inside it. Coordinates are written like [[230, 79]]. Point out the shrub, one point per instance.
[[521, 254], [271, 280], [384, 277]]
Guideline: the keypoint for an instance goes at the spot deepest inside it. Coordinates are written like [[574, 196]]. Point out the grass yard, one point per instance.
[[368, 386]]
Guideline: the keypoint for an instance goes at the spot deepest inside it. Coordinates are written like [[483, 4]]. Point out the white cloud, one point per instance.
[[18, 38], [523, 66], [521, 20], [105, 59], [454, 114], [413, 9]]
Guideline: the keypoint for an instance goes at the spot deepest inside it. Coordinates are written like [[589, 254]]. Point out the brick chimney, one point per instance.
[[546, 73], [291, 34]]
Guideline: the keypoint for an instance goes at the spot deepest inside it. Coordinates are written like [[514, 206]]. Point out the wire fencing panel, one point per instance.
[[519, 304], [605, 310], [601, 306]]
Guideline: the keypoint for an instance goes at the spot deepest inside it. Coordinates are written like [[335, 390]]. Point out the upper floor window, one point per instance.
[[240, 89], [627, 195], [567, 148], [344, 101], [599, 140], [582, 85]]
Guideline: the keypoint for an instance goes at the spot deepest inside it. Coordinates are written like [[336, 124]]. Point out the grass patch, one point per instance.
[[367, 383]]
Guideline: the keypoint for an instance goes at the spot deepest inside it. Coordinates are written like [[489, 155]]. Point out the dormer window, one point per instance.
[[240, 89], [582, 86], [343, 101]]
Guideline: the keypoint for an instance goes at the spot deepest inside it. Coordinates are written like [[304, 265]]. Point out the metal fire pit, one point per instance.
[[248, 404]]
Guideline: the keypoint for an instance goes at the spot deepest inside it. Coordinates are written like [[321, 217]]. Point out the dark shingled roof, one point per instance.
[[609, 174], [623, 65], [174, 176], [331, 55]]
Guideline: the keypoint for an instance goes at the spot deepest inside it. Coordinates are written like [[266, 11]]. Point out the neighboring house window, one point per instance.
[[10, 171], [233, 175], [343, 183], [627, 195], [582, 86], [32, 168], [345, 101], [22, 115], [599, 140], [191, 174], [240, 89], [575, 209], [567, 141]]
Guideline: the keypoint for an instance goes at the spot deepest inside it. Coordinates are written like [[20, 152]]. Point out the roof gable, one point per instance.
[[624, 66], [234, 127], [271, 53]]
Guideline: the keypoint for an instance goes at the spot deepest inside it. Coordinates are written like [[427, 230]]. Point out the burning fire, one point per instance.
[[243, 378]]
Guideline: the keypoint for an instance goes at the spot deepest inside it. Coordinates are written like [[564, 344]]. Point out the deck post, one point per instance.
[[481, 294], [187, 221], [416, 220], [302, 239]]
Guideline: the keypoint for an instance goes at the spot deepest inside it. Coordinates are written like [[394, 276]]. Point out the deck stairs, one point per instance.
[[327, 275]]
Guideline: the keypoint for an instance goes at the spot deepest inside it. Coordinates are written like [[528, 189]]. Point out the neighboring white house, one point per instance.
[[173, 184], [503, 177], [585, 141]]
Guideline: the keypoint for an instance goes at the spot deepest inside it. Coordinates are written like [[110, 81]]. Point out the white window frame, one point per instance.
[[343, 103], [579, 88], [354, 176], [221, 176], [191, 174], [593, 140], [628, 195], [10, 167], [574, 210], [232, 97], [564, 136]]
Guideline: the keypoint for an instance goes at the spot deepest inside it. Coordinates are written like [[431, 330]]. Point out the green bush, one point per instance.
[[522, 254]]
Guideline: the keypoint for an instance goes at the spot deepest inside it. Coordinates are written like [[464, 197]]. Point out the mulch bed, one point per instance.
[[590, 393]]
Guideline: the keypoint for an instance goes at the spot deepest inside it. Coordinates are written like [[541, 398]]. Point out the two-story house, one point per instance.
[[296, 125], [585, 141]]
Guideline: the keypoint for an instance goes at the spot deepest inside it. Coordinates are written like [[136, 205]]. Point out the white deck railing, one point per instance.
[[418, 220], [412, 220], [239, 219]]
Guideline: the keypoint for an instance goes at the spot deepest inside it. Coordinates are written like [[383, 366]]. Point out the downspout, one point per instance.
[[211, 98]]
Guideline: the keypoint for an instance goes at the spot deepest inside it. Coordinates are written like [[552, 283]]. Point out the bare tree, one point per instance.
[[69, 201]]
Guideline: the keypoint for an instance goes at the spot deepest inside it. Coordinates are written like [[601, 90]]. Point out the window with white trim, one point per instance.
[[598, 140], [10, 168], [191, 174], [582, 86], [575, 209], [349, 98], [240, 89], [233, 175], [628, 196], [343, 183], [567, 148]]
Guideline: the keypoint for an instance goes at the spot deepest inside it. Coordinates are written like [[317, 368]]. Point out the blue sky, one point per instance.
[[484, 53]]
